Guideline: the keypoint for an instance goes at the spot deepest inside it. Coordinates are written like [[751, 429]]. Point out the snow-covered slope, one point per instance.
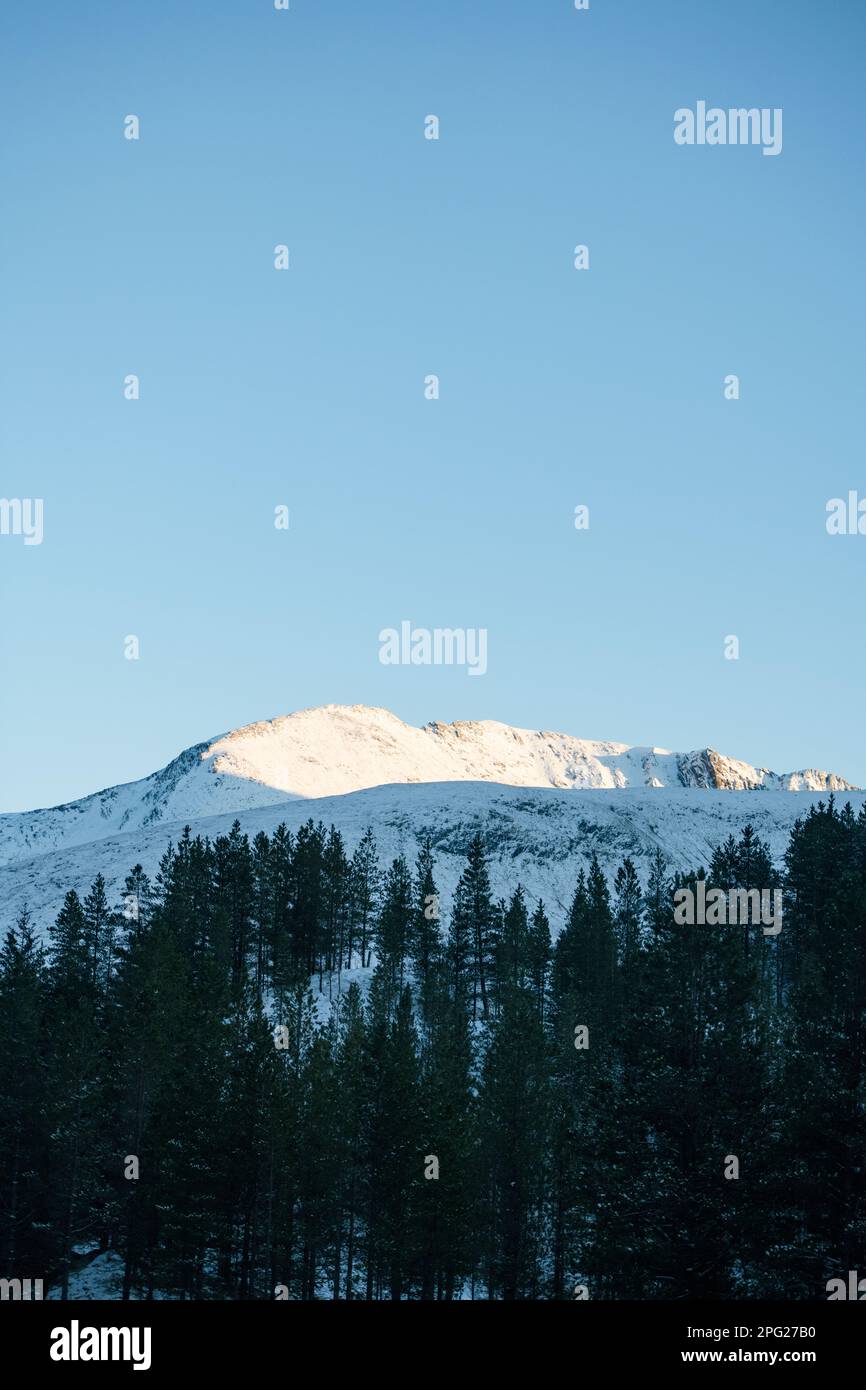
[[339, 749], [536, 836]]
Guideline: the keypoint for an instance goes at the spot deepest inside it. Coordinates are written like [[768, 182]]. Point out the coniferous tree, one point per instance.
[[539, 955], [426, 943], [394, 931], [515, 1110], [337, 904], [365, 889], [448, 1244], [349, 1139], [401, 1154], [72, 1068], [24, 1136], [474, 920]]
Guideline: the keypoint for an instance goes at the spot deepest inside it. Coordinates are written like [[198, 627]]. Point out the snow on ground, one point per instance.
[[540, 837], [102, 1278]]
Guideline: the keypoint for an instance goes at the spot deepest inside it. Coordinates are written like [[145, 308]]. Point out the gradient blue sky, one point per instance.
[[411, 257]]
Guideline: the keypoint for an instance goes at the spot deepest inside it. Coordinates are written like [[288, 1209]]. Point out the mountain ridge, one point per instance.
[[334, 750]]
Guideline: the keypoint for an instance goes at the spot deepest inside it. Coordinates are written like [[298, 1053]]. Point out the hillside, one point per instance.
[[537, 836], [337, 749]]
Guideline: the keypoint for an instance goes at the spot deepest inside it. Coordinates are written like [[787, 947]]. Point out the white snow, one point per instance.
[[339, 749], [540, 837]]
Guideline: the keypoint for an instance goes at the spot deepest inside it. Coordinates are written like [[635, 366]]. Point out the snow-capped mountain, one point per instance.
[[339, 749]]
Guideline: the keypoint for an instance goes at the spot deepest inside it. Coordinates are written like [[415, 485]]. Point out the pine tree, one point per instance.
[[513, 948], [280, 969], [308, 909], [320, 1210], [514, 1118], [658, 897], [539, 956], [473, 923], [628, 911], [23, 1122], [426, 943], [366, 879], [821, 1178], [447, 1200], [349, 1139], [264, 913], [73, 1044], [401, 1153], [99, 927], [337, 904], [394, 930]]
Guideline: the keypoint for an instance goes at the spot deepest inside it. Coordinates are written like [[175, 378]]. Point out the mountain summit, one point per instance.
[[338, 749]]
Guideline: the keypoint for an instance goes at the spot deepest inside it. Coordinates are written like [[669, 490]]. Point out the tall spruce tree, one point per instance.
[[24, 1137]]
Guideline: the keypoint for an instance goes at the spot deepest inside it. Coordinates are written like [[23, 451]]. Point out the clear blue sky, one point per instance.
[[411, 257]]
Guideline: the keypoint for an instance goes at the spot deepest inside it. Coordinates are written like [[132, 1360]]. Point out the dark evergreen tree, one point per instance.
[[539, 956], [72, 1055], [24, 1137], [394, 931], [426, 941], [515, 1111], [474, 921], [366, 880]]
